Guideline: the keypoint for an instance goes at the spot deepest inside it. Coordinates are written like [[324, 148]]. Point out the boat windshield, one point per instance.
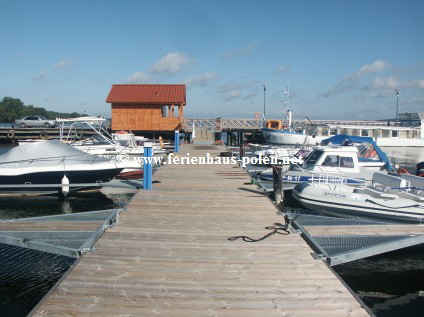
[[314, 157], [92, 140], [367, 152]]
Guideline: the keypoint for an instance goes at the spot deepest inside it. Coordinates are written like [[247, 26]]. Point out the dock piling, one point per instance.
[[177, 141], [278, 183], [147, 178]]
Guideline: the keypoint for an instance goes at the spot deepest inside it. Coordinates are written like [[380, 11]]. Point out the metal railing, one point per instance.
[[228, 124]]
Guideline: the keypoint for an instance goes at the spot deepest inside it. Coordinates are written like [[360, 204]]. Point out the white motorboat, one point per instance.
[[53, 166], [100, 143], [354, 163], [390, 198]]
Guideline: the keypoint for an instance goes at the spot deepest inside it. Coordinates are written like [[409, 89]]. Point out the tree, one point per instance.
[[13, 108]]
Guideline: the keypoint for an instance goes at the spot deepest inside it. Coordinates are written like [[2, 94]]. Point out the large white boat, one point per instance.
[[406, 132], [52, 166]]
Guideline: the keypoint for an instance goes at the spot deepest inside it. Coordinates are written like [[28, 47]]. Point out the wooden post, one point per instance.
[[277, 176], [147, 175], [242, 150]]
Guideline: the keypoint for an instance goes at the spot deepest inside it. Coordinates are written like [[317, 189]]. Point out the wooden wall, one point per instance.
[[143, 118]]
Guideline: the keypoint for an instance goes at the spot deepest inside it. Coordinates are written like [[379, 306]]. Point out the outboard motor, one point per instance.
[[420, 168]]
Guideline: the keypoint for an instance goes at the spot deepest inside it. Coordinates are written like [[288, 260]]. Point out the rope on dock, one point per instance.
[[276, 228]]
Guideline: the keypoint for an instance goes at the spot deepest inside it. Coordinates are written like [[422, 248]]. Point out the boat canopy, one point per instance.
[[366, 153], [47, 153]]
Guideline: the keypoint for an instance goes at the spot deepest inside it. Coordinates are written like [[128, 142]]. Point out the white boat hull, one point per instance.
[[404, 142], [289, 138], [346, 202]]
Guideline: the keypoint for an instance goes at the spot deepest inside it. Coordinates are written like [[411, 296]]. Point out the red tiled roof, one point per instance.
[[148, 94]]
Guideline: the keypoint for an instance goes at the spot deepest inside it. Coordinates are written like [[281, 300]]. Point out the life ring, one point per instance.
[[43, 135], [11, 134], [79, 134], [402, 170]]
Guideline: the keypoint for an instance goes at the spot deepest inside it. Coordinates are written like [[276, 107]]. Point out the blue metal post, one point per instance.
[[147, 178], [177, 141]]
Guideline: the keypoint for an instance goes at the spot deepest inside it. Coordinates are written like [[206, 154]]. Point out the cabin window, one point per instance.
[[346, 162], [333, 131], [366, 152], [364, 132], [314, 157], [164, 111], [395, 133], [332, 160]]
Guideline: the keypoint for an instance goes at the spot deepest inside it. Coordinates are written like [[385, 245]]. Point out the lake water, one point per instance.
[[389, 284]]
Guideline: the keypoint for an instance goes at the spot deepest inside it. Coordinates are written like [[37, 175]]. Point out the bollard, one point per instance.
[[177, 141], [242, 150], [277, 171], [147, 178]]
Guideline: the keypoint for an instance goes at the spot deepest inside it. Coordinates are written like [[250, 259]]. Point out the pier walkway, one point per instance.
[[170, 256]]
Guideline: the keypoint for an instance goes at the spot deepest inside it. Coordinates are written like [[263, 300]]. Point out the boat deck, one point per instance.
[[170, 256]]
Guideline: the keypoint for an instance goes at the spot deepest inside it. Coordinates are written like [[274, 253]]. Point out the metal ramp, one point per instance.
[[339, 240], [67, 234]]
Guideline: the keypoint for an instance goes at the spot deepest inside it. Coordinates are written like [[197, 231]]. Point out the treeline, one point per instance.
[[13, 108]]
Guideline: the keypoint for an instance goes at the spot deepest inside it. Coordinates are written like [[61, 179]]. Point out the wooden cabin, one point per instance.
[[147, 107]]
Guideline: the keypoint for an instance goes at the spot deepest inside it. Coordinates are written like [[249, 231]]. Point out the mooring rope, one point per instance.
[[276, 228]]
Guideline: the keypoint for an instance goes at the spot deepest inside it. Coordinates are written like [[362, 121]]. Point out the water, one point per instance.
[[389, 284], [27, 275]]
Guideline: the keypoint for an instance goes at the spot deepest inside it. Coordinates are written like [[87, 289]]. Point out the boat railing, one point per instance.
[[336, 179]]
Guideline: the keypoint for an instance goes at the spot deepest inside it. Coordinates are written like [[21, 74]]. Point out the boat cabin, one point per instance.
[[274, 124], [337, 159]]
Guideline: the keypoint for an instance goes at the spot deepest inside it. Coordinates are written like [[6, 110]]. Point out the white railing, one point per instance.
[[227, 124]]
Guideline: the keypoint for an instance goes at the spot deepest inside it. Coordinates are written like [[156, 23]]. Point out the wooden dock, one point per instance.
[[170, 256]]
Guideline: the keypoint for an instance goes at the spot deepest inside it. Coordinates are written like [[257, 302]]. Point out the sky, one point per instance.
[[339, 59]]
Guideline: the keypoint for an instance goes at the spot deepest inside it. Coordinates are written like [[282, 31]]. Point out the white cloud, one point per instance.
[[172, 63], [63, 64], [233, 94], [349, 82], [42, 75], [418, 83], [282, 69], [383, 86], [375, 67], [384, 83], [241, 52], [201, 80], [137, 78]]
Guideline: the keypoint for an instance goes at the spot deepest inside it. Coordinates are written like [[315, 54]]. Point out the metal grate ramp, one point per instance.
[[67, 234], [339, 240]]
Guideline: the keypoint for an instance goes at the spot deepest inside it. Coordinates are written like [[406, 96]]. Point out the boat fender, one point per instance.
[[43, 135], [65, 185], [11, 134]]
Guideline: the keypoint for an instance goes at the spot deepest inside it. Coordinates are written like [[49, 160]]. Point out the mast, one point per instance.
[[289, 112]]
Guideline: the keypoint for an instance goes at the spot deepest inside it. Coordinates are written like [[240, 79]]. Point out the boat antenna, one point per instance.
[[286, 106]]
